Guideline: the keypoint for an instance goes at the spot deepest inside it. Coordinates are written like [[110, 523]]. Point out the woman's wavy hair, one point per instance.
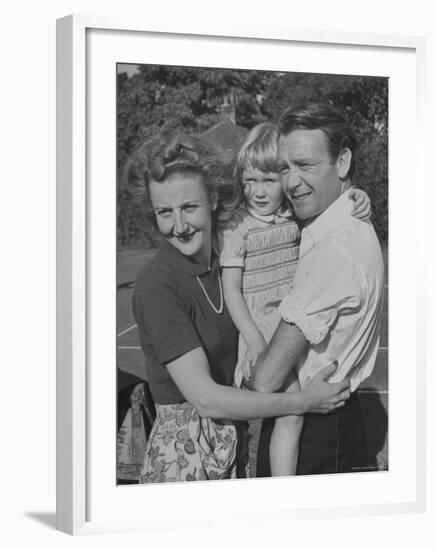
[[175, 152], [328, 119]]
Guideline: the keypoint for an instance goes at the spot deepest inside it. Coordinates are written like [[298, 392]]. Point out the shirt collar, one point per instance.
[[333, 217], [179, 261], [282, 212]]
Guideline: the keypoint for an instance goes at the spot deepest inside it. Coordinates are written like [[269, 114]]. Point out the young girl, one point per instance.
[[259, 254]]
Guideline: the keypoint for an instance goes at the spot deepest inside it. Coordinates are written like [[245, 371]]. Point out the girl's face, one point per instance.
[[183, 213], [262, 190]]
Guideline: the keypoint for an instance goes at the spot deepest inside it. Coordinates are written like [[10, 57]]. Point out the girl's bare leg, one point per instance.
[[284, 443]]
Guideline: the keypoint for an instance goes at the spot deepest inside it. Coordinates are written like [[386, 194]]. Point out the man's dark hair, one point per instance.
[[325, 117]]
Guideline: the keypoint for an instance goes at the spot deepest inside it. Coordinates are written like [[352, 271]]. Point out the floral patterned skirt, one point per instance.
[[183, 446]]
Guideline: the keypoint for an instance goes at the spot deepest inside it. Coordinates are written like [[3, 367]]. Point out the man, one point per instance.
[[333, 311]]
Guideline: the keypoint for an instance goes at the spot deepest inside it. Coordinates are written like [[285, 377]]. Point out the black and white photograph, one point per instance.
[[252, 274], [219, 268]]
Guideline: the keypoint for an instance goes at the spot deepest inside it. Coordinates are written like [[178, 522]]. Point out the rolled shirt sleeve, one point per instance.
[[326, 285]]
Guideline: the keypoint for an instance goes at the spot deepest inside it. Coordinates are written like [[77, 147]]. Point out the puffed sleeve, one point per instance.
[[326, 285], [163, 316], [233, 241]]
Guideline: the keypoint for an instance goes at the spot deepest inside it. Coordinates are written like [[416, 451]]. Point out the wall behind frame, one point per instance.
[[28, 284]]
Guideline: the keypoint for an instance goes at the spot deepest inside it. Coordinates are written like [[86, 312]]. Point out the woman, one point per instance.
[[186, 333]]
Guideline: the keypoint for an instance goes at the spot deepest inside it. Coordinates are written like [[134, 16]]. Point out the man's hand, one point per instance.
[[321, 396]]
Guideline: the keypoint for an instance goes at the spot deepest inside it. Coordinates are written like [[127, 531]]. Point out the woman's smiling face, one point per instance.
[[183, 213]]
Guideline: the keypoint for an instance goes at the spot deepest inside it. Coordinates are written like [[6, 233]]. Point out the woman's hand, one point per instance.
[[362, 206], [321, 396]]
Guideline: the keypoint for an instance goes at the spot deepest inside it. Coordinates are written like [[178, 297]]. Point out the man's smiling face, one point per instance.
[[309, 175]]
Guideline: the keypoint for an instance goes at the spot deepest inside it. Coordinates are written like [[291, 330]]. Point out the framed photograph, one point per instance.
[[119, 83]]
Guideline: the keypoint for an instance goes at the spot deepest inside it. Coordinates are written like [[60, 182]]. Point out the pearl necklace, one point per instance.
[[218, 310]]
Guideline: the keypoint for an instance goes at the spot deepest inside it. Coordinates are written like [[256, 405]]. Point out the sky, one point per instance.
[[129, 68]]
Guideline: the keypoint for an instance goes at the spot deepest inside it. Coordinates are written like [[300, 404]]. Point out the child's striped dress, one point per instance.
[[267, 249]]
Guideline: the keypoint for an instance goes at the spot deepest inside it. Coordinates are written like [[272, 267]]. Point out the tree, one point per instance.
[[183, 98], [190, 99]]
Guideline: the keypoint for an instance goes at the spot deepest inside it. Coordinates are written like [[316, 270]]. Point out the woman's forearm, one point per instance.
[[191, 374], [229, 402]]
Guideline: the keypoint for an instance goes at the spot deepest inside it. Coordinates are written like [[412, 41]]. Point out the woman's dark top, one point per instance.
[[174, 317]]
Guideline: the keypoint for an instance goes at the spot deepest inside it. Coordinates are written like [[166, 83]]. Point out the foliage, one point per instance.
[[189, 99], [183, 98]]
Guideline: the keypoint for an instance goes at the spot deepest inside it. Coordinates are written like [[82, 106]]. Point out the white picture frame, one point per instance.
[[79, 38]]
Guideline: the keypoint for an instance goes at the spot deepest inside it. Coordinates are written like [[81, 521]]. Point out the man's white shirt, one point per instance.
[[337, 295]]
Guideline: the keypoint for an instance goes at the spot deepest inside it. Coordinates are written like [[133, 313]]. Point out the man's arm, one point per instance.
[[274, 366], [325, 285]]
